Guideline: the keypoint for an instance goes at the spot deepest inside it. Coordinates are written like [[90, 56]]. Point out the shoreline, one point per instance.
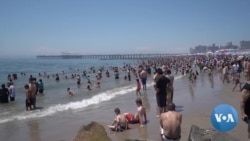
[[195, 102]]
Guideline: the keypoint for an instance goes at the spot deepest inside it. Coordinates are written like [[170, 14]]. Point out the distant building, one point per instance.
[[244, 44], [229, 45], [213, 48], [203, 49]]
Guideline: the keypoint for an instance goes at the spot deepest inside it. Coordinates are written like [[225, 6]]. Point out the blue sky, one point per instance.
[[33, 27]]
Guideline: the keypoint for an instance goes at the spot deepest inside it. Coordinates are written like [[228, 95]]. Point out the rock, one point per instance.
[[92, 132], [198, 134], [135, 140]]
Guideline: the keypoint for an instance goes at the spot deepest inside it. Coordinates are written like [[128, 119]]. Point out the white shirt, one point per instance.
[[12, 91]]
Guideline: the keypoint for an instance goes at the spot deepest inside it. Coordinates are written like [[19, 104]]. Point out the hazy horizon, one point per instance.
[[49, 27]]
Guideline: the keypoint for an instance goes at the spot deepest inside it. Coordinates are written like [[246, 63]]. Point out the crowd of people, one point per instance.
[[231, 69]]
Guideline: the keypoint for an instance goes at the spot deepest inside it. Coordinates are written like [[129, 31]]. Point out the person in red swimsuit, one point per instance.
[[140, 116]]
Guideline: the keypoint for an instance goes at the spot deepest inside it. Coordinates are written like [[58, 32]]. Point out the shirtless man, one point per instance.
[[32, 87], [143, 76], [171, 124], [245, 103], [140, 116], [120, 122], [28, 97]]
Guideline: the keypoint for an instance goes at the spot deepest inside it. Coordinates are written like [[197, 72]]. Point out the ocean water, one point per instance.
[[55, 98]]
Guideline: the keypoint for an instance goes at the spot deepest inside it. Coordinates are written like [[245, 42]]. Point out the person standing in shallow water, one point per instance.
[[161, 85], [4, 92], [40, 86], [78, 79], [70, 92], [32, 87], [138, 87], [170, 90], [28, 100], [12, 91], [143, 76]]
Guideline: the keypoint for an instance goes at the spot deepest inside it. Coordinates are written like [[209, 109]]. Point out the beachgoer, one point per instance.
[[129, 75], [170, 90], [12, 91], [125, 77], [120, 122], [161, 85], [245, 104], [138, 87], [4, 92], [78, 79], [37, 84], [107, 73], [116, 74], [32, 87], [225, 73], [98, 84], [28, 100], [143, 76], [237, 81], [190, 76], [89, 86], [70, 92], [170, 124], [40, 86], [57, 77], [100, 73], [140, 116]]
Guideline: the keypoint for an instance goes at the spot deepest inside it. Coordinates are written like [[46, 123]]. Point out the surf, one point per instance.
[[96, 99]]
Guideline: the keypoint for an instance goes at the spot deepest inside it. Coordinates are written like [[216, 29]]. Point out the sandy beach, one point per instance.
[[195, 101]]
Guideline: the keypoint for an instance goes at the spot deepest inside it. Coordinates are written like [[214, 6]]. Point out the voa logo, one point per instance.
[[224, 118]]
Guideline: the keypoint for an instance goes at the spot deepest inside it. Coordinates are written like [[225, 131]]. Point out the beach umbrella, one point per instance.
[[240, 57]]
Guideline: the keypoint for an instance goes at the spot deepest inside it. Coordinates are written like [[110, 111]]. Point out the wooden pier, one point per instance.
[[108, 57]]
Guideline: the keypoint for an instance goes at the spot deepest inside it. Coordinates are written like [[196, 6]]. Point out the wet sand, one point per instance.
[[195, 101]]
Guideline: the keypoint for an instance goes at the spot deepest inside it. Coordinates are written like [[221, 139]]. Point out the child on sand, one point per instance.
[[138, 88], [70, 92]]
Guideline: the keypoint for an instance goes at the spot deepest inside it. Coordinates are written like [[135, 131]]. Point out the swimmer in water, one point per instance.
[[70, 92]]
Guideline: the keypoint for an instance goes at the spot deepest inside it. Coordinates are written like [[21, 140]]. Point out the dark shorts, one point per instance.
[[161, 100], [40, 91], [12, 98], [33, 100], [166, 138], [144, 80]]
